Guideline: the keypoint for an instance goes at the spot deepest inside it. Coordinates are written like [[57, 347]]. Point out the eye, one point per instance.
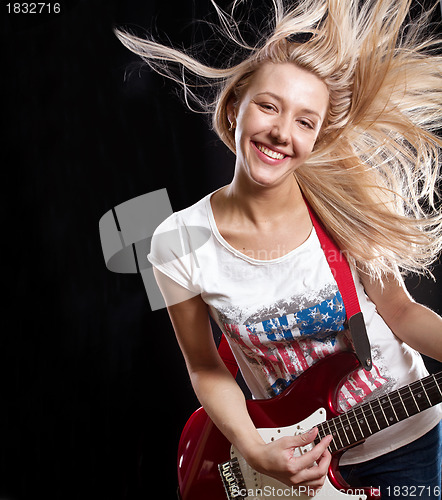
[[307, 124], [266, 106]]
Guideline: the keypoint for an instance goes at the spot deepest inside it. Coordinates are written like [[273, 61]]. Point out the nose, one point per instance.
[[280, 131]]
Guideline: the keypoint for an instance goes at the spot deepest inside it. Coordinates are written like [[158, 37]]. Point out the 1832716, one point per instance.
[[413, 491], [33, 8]]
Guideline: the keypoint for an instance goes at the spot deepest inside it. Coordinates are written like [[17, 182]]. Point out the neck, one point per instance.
[[262, 204]]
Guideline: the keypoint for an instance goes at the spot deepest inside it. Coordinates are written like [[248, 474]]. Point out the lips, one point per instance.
[[269, 153]]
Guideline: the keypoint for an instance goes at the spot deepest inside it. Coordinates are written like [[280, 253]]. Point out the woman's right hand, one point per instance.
[[224, 402], [278, 460]]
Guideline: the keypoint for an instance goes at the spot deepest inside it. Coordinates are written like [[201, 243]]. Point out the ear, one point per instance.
[[231, 110]]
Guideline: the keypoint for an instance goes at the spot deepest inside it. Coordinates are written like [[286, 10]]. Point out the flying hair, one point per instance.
[[373, 174]]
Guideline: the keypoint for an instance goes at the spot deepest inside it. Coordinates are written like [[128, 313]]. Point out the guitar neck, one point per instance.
[[366, 419]]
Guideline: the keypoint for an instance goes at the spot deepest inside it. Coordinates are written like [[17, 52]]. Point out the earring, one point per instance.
[[232, 125]]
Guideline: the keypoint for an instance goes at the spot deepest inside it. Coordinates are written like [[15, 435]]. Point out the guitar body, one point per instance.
[[309, 400]]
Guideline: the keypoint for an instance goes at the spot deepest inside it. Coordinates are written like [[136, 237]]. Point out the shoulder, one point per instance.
[[181, 233], [195, 214]]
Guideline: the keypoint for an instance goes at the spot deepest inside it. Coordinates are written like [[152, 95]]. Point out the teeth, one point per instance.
[[268, 152]]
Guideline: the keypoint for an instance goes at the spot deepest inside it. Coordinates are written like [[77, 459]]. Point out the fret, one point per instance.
[[381, 419], [374, 416], [370, 418], [321, 433], [422, 404], [335, 433], [329, 429], [392, 407], [403, 404], [363, 421], [409, 400], [425, 392], [436, 383], [355, 417], [421, 399], [388, 410], [413, 407], [350, 427], [343, 429], [399, 409], [333, 447], [319, 436]]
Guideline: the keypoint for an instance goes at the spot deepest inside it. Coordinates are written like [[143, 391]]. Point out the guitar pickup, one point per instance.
[[233, 479]]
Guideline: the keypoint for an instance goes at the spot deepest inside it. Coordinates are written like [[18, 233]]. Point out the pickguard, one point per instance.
[[261, 487]]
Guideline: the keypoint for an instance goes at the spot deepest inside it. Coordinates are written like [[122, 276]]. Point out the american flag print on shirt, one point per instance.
[[278, 349]]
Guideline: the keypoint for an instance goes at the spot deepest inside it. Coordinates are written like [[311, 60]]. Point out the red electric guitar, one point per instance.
[[210, 468]]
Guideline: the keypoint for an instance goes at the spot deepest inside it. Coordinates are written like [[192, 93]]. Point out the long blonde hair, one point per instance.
[[373, 173]]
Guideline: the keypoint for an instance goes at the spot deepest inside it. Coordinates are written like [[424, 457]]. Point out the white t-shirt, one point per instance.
[[281, 316]]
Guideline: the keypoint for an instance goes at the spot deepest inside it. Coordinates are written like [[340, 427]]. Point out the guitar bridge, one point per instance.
[[233, 479]]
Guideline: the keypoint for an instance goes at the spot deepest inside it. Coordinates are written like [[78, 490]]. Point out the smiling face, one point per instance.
[[278, 120]]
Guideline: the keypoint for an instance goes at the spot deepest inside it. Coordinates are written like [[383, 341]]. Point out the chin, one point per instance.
[[270, 179]]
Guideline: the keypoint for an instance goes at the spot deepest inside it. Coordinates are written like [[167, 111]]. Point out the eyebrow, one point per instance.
[[280, 99]]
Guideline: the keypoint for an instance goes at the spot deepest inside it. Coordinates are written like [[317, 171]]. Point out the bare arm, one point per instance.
[[413, 323], [212, 382], [224, 402]]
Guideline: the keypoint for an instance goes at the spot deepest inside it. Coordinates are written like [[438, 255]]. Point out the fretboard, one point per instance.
[[366, 419]]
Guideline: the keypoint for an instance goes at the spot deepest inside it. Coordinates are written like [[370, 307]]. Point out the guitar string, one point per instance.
[[393, 400], [398, 400], [396, 397], [427, 384], [339, 427]]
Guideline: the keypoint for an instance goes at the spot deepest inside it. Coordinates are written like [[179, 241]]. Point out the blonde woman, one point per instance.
[[338, 105]]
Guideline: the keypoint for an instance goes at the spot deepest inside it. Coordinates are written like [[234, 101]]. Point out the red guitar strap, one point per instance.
[[342, 273]]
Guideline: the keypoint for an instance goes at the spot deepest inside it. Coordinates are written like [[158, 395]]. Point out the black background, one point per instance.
[[94, 391]]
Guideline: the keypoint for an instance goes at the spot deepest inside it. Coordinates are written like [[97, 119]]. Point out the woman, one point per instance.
[[338, 106]]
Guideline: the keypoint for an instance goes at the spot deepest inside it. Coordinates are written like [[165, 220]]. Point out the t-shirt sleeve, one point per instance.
[[172, 254]]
